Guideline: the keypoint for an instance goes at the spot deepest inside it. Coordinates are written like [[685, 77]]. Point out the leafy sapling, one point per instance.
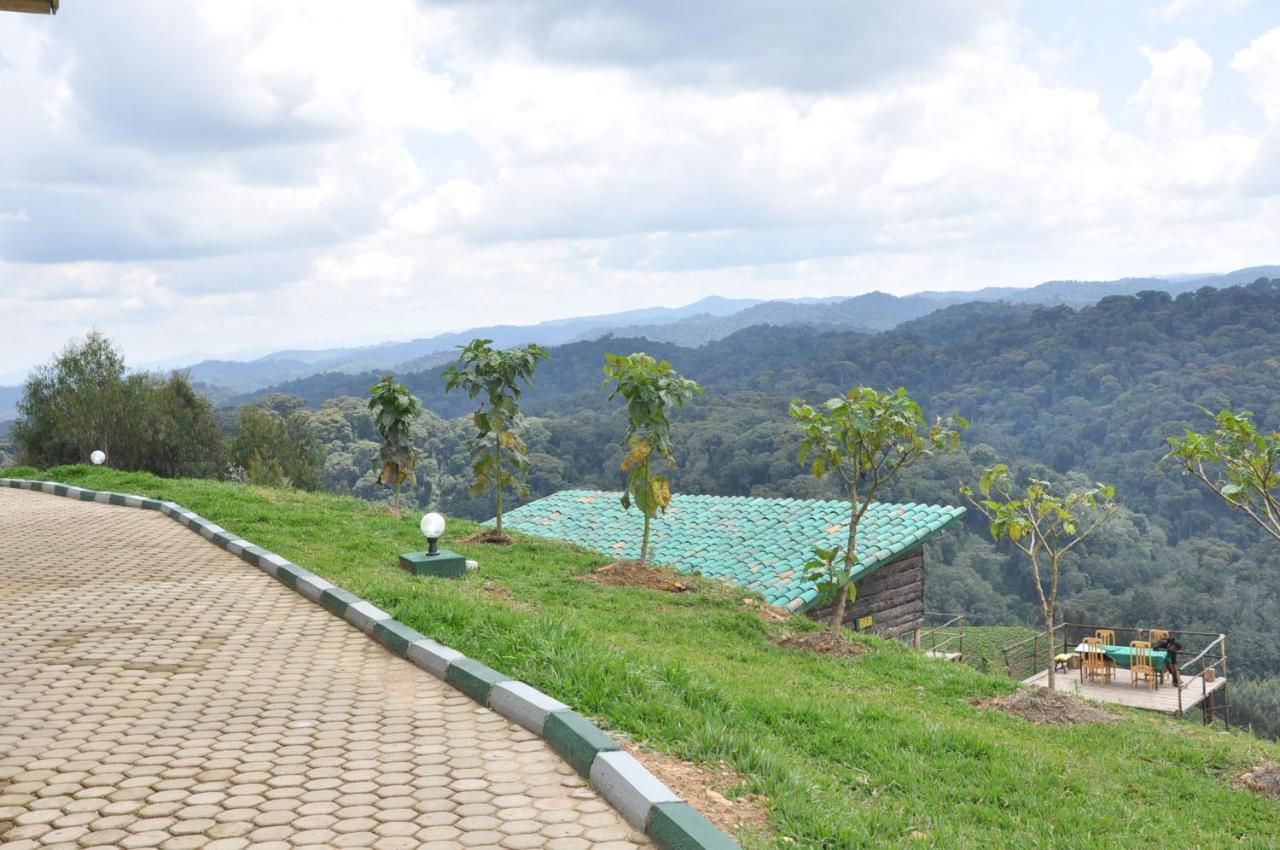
[[394, 409], [1043, 526], [649, 388], [865, 438], [1239, 463], [499, 459]]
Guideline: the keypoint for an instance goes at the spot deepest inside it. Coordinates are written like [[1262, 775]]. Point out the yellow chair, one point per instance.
[[1155, 636], [1108, 638], [1140, 664], [1095, 662]]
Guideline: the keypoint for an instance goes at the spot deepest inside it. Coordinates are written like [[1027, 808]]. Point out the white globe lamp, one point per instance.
[[432, 526], [99, 457]]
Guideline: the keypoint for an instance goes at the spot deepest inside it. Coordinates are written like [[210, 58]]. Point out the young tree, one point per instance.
[[1239, 463], [394, 409], [1044, 527], [865, 438], [649, 387], [499, 461]]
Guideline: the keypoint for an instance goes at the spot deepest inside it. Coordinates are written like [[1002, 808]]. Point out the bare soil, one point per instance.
[[496, 538], [633, 574], [823, 642], [1264, 779], [1044, 707], [504, 596], [706, 789], [768, 613]]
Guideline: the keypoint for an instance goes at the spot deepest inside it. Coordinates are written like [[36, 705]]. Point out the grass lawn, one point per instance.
[[882, 750]]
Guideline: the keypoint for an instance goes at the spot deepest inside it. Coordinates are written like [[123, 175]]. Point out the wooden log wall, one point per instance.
[[893, 596]]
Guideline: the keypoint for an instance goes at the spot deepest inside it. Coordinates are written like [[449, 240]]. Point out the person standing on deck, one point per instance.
[[1170, 645]]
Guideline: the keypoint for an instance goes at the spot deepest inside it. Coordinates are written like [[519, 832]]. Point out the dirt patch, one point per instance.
[[823, 643], [268, 495], [504, 596], [496, 538], [1264, 779], [768, 613], [634, 574], [706, 789], [1044, 707]]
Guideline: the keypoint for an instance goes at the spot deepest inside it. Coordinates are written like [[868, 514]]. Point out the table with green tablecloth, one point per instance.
[[1121, 655]]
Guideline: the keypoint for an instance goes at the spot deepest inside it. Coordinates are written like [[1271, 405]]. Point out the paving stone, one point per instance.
[[163, 694]]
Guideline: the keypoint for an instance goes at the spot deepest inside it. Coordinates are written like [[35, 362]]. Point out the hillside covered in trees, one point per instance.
[[1088, 394], [1083, 395]]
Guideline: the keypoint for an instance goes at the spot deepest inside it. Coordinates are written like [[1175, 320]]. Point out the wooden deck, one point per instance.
[[1164, 699]]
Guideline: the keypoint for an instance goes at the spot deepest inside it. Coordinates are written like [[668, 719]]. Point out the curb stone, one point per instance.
[[644, 801]]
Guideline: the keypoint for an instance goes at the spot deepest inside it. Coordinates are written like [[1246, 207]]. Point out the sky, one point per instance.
[[223, 176]]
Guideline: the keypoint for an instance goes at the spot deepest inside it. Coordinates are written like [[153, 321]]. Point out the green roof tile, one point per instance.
[[760, 544]]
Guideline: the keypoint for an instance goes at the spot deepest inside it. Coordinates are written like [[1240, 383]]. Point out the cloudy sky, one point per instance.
[[219, 176]]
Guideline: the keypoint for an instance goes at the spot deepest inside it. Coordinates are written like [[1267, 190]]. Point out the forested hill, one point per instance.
[[1019, 372], [1085, 395]]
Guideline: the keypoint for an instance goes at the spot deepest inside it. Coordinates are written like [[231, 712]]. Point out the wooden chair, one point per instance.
[[1095, 664], [1108, 638], [1154, 636], [1140, 664]]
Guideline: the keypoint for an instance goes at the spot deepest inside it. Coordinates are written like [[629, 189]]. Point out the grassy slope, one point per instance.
[[884, 750]]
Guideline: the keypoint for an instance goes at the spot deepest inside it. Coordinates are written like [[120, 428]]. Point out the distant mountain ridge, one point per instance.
[[422, 353], [878, 311], [695, 324], [703, 321]]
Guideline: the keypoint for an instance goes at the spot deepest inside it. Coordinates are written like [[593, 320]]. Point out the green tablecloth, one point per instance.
[[1121, 655]]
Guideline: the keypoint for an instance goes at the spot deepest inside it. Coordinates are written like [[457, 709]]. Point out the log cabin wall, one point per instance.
[[893, 596]]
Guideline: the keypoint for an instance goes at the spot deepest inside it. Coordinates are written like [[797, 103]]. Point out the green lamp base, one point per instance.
[[444, 563]]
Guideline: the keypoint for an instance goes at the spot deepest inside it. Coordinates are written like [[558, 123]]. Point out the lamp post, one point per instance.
[[432, 526], [435, 561]]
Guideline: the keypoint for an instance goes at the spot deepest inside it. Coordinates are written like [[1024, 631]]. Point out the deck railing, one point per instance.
[[946, 636], [1031, 655], [1028, 656]]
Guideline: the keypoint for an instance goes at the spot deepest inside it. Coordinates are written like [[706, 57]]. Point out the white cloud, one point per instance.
[[302, 172], [1175, 10], [1259, 63], [1173, 95]]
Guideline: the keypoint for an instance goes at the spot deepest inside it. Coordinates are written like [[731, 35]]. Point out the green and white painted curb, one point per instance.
[[637, 794]]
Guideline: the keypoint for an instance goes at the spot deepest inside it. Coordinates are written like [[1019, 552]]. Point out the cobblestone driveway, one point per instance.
[[134, 712]]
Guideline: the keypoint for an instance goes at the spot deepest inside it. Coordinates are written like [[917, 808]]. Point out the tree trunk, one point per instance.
[[497, 482], [850, 558], [1048, 633], [397, 490], [644, 542], [837, 616]]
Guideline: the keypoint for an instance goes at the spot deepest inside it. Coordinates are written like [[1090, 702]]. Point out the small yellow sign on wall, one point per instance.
[[865, 623]]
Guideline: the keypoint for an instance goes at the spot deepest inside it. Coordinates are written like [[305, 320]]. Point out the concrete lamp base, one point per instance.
[[444, 563]]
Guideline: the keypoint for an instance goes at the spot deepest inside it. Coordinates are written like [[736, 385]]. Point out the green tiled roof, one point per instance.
[[759, 544]]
